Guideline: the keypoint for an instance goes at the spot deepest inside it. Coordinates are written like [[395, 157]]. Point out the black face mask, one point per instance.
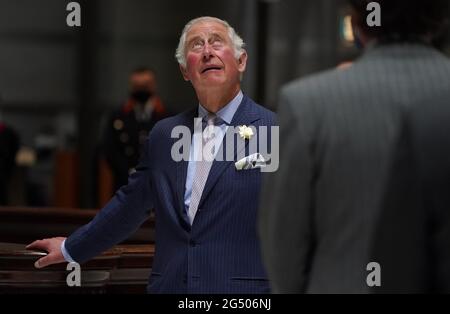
[[141, 96]]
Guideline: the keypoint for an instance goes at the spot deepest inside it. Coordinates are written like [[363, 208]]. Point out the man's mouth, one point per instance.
[[211, 68]]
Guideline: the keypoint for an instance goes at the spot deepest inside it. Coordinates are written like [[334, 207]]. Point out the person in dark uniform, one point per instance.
[[9, 145], [128, 127]]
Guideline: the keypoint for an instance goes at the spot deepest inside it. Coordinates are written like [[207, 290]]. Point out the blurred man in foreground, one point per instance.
[[342, 135]]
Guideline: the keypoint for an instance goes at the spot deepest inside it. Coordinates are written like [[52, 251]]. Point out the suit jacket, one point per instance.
[[220, 252], [340, 132], [413, 231]]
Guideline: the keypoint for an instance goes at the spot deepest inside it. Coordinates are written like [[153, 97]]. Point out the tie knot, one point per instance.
[[212, 119]]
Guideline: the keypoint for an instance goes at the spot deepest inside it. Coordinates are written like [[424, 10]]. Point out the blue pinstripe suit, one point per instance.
[[220, 252]]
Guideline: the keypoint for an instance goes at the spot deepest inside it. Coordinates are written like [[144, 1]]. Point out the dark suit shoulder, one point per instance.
[[310, 97], [309, 84], [165, 126], [267, 116]]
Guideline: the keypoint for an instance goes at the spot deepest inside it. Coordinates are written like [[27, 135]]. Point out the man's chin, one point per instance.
[[214, 80]]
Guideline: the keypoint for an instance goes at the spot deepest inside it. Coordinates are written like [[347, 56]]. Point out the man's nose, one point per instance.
[[207, 52]]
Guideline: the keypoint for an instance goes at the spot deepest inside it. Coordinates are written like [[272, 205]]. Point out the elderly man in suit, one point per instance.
[[340, 135], [206, 232]]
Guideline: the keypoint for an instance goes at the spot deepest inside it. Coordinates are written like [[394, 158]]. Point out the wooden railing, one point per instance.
[[123, 269]]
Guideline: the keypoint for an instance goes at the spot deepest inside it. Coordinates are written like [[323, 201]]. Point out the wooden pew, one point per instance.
[[122, 269]]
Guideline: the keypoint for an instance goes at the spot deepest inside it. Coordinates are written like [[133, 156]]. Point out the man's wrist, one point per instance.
[[65, 253]]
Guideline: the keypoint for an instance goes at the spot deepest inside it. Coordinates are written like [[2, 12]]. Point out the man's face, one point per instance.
[[143, 81], [210, 58]]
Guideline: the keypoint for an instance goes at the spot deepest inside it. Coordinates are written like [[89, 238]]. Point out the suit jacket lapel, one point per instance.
[[245, 115]]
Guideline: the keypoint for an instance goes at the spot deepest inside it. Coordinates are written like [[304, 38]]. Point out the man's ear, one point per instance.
[[242, 61], [184, 73]]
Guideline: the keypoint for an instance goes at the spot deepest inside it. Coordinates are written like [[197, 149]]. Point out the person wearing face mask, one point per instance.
[[128, 127]]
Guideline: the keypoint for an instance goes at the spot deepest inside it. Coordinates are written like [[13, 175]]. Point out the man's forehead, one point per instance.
[[145, 74], [206, 28], [142, 77]]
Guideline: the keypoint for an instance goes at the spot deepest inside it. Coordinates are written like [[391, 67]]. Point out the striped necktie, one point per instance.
[[202, 165]]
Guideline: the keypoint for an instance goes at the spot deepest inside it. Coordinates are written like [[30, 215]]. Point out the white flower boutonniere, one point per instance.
[[245, 132]]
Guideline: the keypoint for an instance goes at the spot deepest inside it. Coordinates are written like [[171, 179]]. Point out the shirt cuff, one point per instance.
[[66, 254]]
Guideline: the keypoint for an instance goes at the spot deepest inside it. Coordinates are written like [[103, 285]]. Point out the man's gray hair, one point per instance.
[[237, 41]]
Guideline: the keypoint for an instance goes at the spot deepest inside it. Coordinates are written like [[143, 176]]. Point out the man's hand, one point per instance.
[[53, 248]]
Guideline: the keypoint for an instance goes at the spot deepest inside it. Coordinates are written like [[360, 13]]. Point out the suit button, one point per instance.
[[192, 243]]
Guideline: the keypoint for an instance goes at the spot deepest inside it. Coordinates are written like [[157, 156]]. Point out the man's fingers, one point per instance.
[[33, 245], [52, 247], [44, 261], [38, 245]]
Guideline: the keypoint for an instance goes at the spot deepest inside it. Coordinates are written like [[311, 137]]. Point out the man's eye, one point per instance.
[[217, 42], [196, 44]]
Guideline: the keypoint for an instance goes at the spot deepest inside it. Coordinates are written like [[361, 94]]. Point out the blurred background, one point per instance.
[[59, 84]]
